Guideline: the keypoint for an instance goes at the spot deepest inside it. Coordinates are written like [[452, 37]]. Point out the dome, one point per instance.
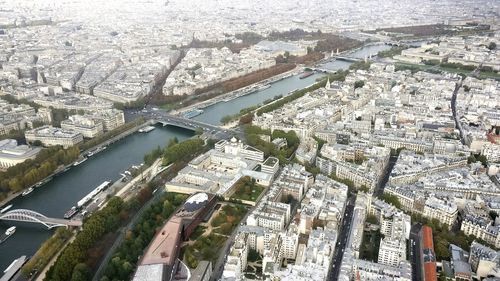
[[196, 202]]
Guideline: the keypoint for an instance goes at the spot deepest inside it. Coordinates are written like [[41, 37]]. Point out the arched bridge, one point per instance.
[[350, 59], [23, 215]]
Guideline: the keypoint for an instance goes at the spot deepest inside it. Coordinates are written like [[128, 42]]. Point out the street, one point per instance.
[[379, 189], [343, 236], [416, 266]]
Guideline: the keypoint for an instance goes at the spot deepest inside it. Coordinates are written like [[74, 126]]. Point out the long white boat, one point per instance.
[[6, 209], [93, 193], [146, 129], [11, 271]]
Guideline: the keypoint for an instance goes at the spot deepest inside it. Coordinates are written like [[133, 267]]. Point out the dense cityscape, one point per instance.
[[249, 140]]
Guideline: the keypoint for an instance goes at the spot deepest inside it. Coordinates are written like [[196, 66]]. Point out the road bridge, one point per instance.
[[166, 119], [191, 124], [324, 70], [345, 58]]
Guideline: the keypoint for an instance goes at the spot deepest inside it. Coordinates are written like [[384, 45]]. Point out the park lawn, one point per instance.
[[228, 218], [198, 231], [248, 192], [204, 248], [207, 247]]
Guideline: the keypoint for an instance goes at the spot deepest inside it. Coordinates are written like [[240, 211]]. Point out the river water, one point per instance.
[[362, 53], [56, 197], [213, 114]]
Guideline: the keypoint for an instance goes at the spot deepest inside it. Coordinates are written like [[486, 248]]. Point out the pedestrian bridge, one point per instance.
[[23, 215]]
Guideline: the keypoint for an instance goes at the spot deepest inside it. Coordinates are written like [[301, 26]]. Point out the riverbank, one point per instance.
[[64, 168], [237, 93], [41, 275], [117, 189], [233, 120]]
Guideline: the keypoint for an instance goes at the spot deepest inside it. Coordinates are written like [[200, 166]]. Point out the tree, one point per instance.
[[198, 131], [58, 115], [360, 65], [253, 255], [371, 219], [153, 155], [492, 46], [471, 159], [246, 119], [182, 151], [364, 188], [81, 272], [168, 208], [441, 248], [172, 142], [95, 227], [359, 84], [483, 160], [493, 215], [320, 142], [226, 119], [391, 199]]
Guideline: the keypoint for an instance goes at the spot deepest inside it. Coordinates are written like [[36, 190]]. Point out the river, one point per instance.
[[57, 196], [213, 114], [362, 53]]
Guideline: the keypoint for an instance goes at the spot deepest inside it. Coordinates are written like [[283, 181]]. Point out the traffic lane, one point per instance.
[[342, 240]]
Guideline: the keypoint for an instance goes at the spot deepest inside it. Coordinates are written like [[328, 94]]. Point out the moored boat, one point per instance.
[[71, 212], [80, 162], [306, 74], [193, 113], [13, 269], [8, 233], [27, 191], [44, 181]]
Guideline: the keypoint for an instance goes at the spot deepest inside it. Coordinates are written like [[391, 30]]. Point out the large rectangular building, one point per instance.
[[160, 260], [88, 127], [50, 136]]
